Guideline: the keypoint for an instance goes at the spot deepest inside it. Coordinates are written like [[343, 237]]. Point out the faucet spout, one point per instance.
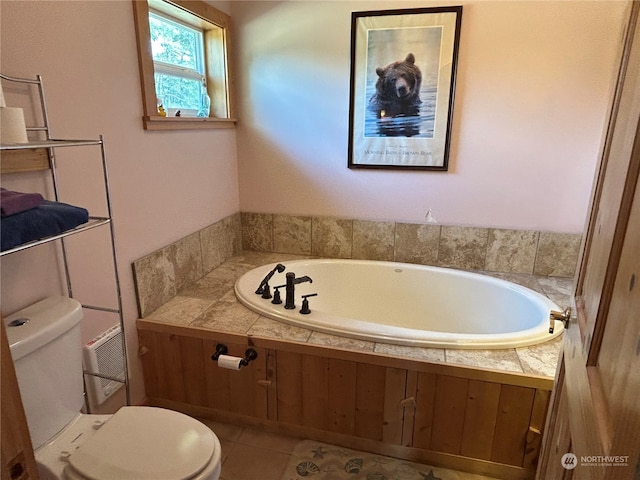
[[289, 303]]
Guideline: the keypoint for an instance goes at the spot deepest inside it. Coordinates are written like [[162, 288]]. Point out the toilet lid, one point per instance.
[[145, 443]]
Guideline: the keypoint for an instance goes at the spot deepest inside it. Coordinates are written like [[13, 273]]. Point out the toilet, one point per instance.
[[144, 443]]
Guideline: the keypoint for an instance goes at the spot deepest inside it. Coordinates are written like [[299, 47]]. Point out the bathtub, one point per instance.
[[406, 304]]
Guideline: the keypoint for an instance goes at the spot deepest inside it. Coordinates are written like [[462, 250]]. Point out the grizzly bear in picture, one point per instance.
[[397, 89]]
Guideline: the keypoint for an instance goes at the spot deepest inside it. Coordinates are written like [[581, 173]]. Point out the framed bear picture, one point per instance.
[[403, 70]]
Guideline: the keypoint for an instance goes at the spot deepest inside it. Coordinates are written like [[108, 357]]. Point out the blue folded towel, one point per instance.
[[16, 202], [45, 220]]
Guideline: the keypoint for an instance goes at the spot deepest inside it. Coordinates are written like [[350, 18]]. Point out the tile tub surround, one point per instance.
[[210, 303], [466, 248], [160, 275]]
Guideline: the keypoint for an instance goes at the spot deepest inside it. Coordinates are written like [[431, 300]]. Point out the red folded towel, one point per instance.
[[16, 202]]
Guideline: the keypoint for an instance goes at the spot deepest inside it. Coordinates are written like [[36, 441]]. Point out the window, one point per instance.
[[178, 63], [182, 51]]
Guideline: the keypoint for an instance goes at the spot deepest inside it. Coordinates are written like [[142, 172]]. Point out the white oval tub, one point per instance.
[[406, 304]]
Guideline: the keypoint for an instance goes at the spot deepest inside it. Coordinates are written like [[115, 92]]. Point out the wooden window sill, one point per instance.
[[186, 123]]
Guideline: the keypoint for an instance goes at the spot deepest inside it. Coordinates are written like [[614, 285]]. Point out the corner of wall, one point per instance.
[[162, 274]]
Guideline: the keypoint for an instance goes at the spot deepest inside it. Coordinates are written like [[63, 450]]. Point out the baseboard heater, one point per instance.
[[104, 355]]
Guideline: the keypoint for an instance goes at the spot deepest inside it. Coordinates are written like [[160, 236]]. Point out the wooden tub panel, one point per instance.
[[480, 419], [512, 424], [473, 419]]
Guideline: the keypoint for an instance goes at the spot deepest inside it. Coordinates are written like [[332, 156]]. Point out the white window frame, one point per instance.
[[198, 74]]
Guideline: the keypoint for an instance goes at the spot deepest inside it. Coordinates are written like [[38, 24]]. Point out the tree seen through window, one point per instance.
[[179, 66]]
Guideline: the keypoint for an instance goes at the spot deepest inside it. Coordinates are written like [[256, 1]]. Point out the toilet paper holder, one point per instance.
[[249, 355]]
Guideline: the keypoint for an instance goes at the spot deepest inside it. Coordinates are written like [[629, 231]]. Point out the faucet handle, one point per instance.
[[305, 310], [276, 295]]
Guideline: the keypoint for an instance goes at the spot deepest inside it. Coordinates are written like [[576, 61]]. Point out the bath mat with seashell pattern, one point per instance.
[[320, 461]]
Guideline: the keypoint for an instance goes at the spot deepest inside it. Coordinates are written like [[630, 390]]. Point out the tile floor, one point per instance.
[[252, 454]]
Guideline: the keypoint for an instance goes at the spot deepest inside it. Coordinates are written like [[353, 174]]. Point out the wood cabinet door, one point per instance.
[[595, 418]]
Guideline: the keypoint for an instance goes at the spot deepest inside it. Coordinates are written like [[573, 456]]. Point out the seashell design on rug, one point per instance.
[[353, 466], [306, 468]]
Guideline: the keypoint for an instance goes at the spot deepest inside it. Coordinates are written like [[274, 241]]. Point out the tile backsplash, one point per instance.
[[466, 248], [160, 275]]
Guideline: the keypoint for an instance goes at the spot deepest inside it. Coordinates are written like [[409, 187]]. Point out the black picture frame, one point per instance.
[[403, 72]]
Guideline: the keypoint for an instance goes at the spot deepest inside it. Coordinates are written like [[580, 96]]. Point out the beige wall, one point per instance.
[[533, 90], [165, 185], [532, 95]]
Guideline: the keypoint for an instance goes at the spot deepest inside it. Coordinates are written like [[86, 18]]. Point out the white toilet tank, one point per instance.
[[47, 353]]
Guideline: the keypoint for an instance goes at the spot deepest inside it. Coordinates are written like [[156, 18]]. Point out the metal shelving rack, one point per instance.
[[49, 145]]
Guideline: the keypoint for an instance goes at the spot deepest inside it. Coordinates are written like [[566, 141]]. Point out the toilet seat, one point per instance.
[[146, 443]]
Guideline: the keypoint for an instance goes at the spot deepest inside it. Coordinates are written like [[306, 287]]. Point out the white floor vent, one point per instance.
[[104, 355]]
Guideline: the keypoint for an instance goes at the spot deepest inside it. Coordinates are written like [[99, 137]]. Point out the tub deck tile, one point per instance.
[[208, 288], [541, 359], [180, 310], [419, 353], [230, 270], [227, 315], [265, 327], [560, 290], [320, 338], [211, 303], [499, 359]]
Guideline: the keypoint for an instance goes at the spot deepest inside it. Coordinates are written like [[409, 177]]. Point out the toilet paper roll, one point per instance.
[[227, 361], [12, 126]]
